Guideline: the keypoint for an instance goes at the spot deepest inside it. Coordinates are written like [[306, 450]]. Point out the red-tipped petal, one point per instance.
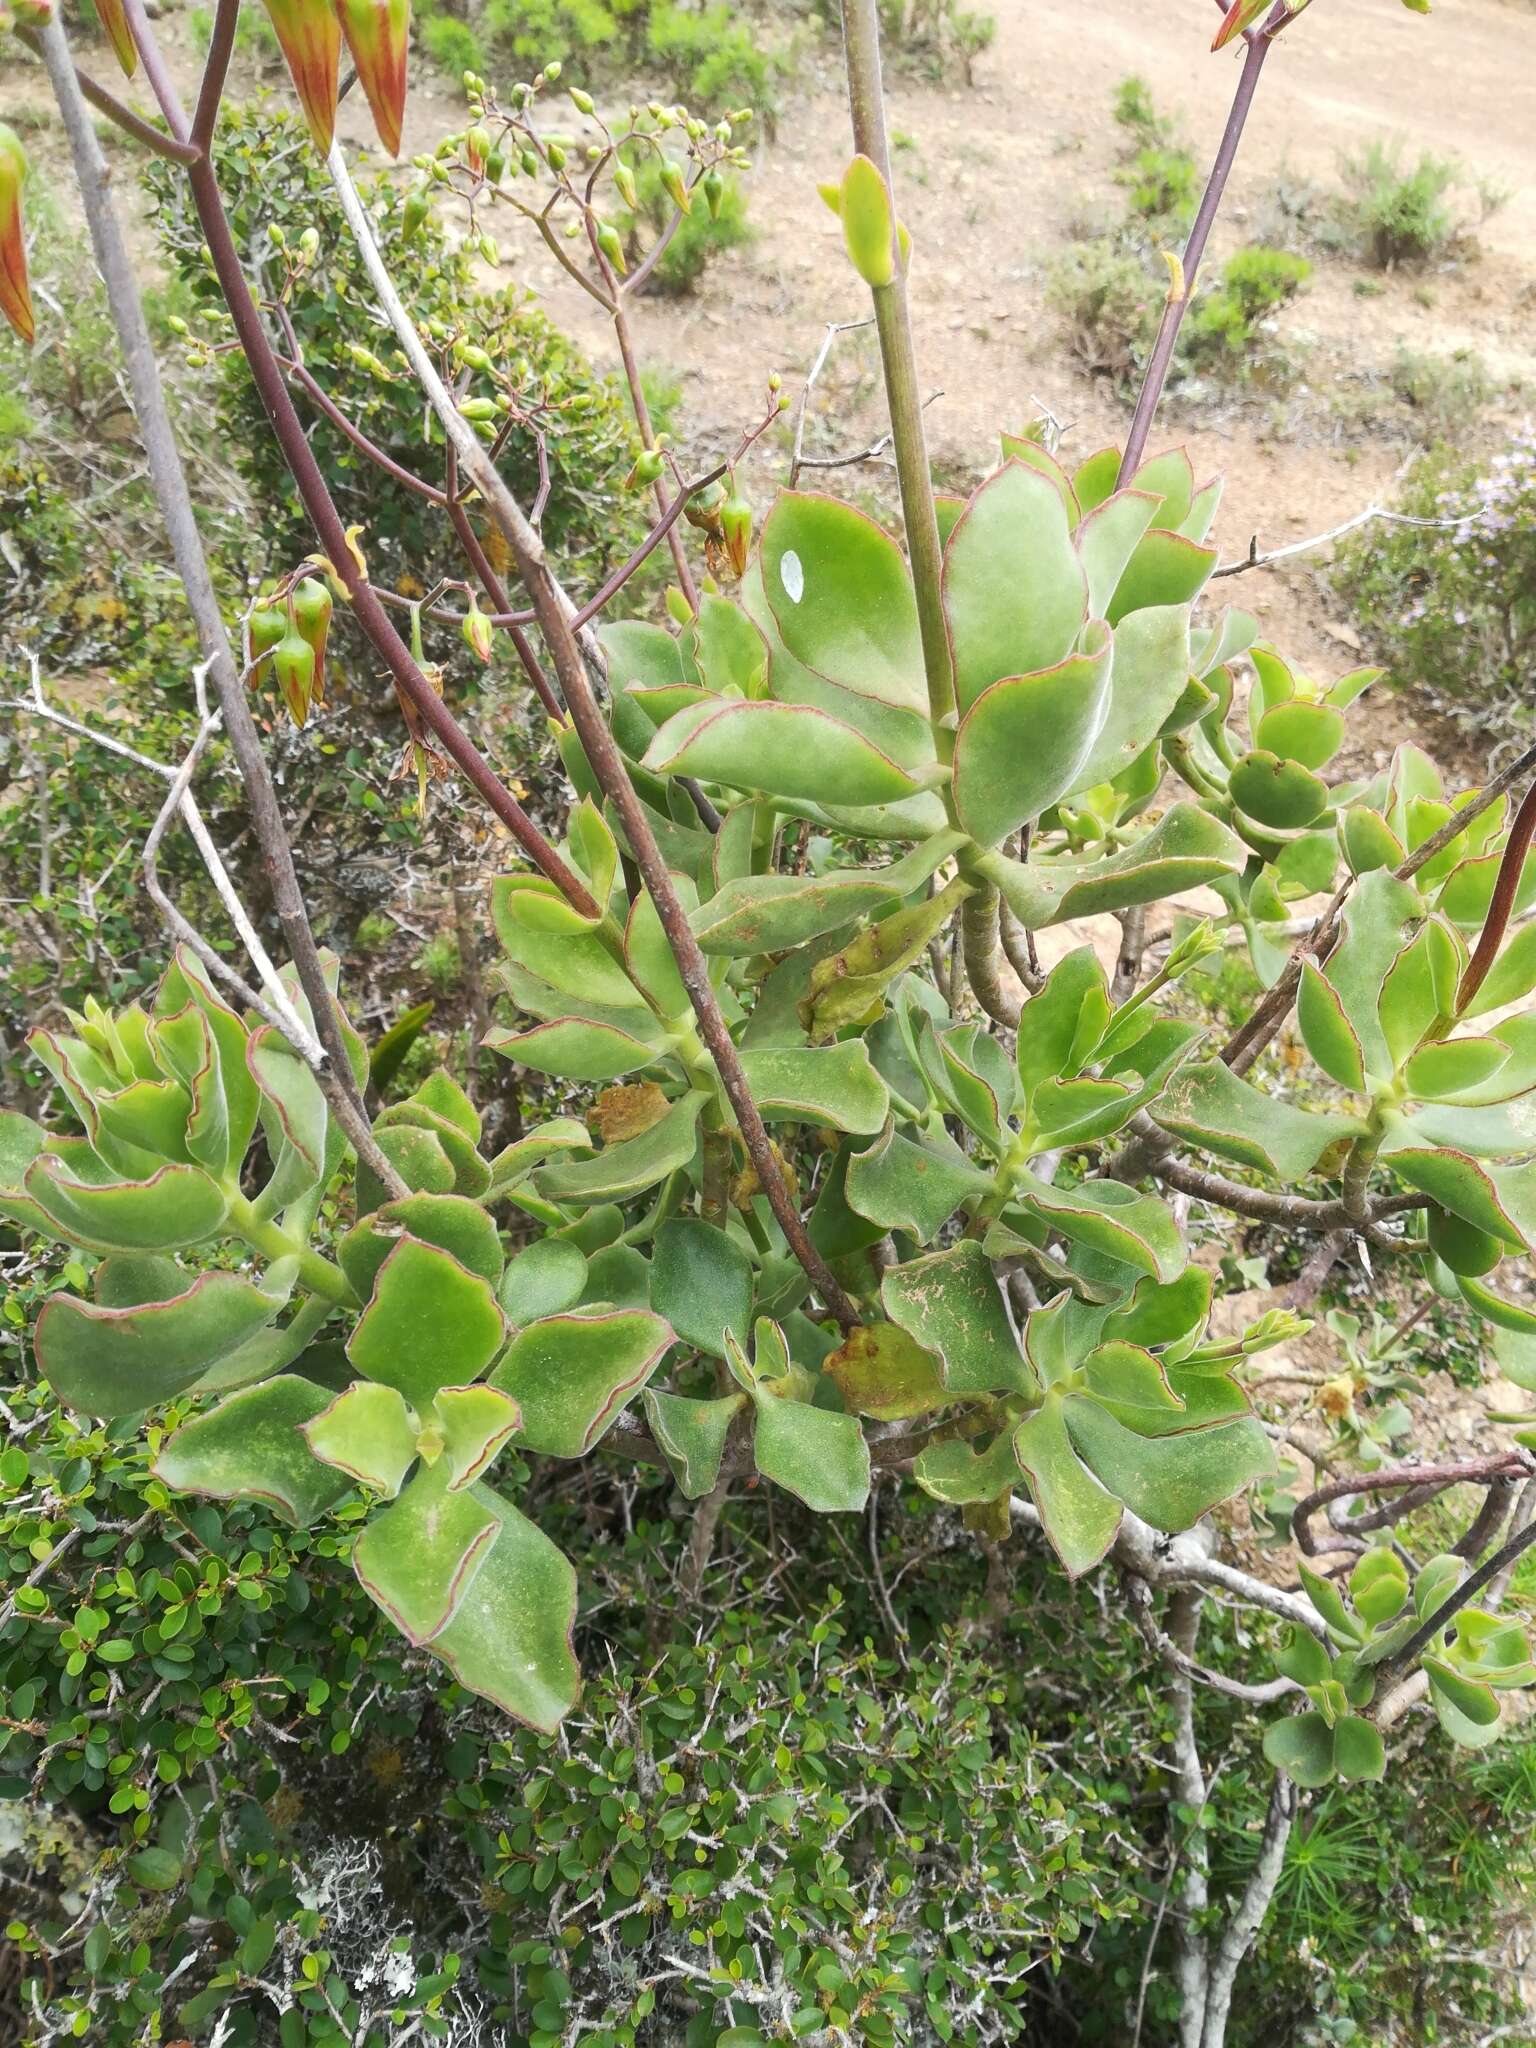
[[1242, 14], [15, 294], [115, 21], [377, 33], [310, 36]]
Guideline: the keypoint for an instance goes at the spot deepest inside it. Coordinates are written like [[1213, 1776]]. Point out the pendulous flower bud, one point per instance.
[[15, 292], [377, 32], [714, 193], [736, 526], [309, 34], [264, 629], [676, 186], [477, 630], [648, 466], [293, 664], [114, 20], [609, 241], [311, 606]]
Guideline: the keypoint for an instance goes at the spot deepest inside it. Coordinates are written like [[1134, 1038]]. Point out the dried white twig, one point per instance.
[[1254, 560]]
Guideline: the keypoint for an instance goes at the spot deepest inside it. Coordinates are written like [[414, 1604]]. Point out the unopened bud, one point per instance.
[[865, 205], [581, 101], [612, 246], [477, 630], [649, 464], [676, 186], [714, 193], [736, 526]]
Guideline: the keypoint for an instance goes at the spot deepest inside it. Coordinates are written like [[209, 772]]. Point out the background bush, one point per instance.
[[1452, 609]]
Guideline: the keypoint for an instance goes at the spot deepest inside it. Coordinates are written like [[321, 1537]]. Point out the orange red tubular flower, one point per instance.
[[377, 32], [310, 37], [15, 293], [114, 20]]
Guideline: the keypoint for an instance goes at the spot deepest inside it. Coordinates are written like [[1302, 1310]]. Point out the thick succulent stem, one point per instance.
[[898, 357]]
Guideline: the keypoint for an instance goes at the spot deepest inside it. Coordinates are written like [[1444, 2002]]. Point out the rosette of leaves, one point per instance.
[[1467, 1663]]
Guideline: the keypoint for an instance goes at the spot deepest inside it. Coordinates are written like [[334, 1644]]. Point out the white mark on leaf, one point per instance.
[[792, 575]]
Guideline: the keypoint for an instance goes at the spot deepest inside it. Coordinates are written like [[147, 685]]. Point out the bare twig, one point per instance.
[[1254, 560], [1503, 1465], [170, 485], [834, 329]]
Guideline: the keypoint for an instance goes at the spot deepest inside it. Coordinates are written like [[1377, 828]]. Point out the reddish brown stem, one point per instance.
[[1151, 393], [314, 390], [478, 560], [1504, 1465], [122, 116], [1501, 909]]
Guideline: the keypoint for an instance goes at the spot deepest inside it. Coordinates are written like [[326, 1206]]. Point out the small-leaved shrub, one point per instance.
[[1398, 211], [700, 235], [1451, 608], [1223, 327]]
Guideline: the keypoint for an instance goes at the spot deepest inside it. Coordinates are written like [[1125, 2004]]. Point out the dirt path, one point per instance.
[[996, 180]]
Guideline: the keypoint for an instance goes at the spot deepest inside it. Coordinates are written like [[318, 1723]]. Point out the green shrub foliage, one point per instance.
[[269, 177], [1451, 604]]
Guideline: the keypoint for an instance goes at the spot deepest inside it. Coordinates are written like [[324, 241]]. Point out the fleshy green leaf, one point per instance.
[[1015, 593], [474, 1423], [418, 1557], [905, 1185], [175, 1207], [963, 1477], [550, 1275], [366, 1432], [1302, 1747], [430, 1323], [785, 750], [631, 1165], [114, 1360], [1026, 740], [251, 1448], [950, 1303], [833, 1084], [692, 1435], [1169, 1481], [1185, 848], [841, 597], [572, 1375], [1138, 1230], [1080, 1516], [701, 1282], [819, 1457], [1210, 1106], [1148, 675], [510, 1637], [574, 1049], [450, 1222]]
